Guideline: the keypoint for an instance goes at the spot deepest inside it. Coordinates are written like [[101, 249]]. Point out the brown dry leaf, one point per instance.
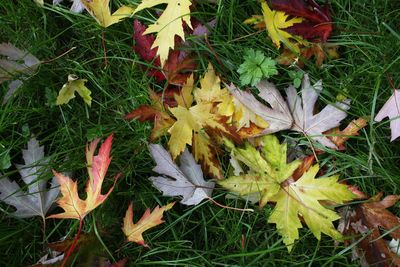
[[339, 137], [366, 222]]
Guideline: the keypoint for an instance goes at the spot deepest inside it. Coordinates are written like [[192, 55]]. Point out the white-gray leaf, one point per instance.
[[77, 6], [186, 181], [278, 115], [308, 123], [37, 200], [15, 62]]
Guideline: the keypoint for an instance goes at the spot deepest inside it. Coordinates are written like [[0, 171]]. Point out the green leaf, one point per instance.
[[256, 67]]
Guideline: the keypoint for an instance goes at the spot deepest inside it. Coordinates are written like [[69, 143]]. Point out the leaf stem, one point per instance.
[[227, 207], [71, 249]]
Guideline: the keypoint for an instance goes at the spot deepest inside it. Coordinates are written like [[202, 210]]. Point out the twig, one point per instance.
[[59, 56]]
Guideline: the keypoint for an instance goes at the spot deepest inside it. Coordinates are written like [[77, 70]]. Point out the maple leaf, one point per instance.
[[156, 113], [267, 169], [310, 124], [186, 181], [339, 137], [73, 85], [320, 52], [275, 22], [317, 21], [178, 66], [278, 115], [270, 176], [191, 121], [364, 225], [391, 109], [302, 198], [15, 62], [97, 166], [37, 200], [168, 25], [100, 10], [77, 5], [134, 231]]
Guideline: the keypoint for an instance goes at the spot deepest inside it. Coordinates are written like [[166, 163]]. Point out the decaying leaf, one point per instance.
[[168, 25], [15, 63], [319, 51], [37, 200], [310, 124], [391, 109], [97, 166], [156, 112], [186, 181], [270, 176], [339, 137], [134, 231], [73, 85], [367, 224], [100, 10]]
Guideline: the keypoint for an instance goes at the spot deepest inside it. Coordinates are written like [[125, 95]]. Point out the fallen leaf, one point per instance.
[[73, 85], [320, 52], [339, 137], [270, 176], [364, 225], [37, 201], [278, 115], [77, 5], [178, 66], [276, 22], [100, 10], [15, 62], [134, 231], [97, 166], [316, 20], [186, 181], [168, 25], [391, 109], [156, 112], [310, 124]]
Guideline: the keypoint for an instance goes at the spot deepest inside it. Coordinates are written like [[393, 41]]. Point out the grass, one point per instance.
[[205, 235]]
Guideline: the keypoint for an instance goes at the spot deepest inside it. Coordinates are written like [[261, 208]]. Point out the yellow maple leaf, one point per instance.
[[168, 25], [134, 231], [100, 10], [185, 98], [275, 22], [270, 176], [189, 120], [97, 166], [302, 198]]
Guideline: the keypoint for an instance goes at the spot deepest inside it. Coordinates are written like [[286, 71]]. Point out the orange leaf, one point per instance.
[[340, 137], [305, 165], [74, 207], [134, 231]]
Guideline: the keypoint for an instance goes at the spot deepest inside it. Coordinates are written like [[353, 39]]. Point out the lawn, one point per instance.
[[368, 33]]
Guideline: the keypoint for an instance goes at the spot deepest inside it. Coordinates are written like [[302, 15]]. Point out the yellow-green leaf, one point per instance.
[[73, 85]]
